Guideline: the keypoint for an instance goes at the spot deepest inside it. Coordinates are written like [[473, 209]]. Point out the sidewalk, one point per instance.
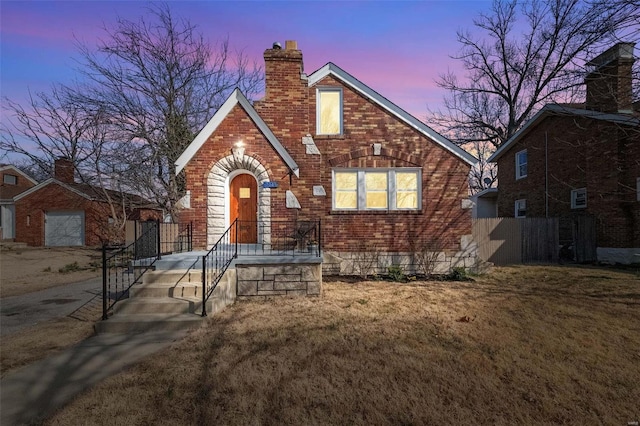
[[37, 390]]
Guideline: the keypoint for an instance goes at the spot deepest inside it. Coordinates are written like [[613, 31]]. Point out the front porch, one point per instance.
[[175, 290], [259, 270]]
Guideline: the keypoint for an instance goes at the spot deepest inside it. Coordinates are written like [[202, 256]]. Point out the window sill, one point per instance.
[[376, 212], [325, 137]]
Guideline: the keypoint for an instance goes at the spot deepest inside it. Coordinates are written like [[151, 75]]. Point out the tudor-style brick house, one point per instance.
[[326, 147], [577, 160]]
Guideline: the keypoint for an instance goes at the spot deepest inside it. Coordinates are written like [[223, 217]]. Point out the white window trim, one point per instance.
[[318, 110], [391, 188], [574, 197], [7, 177], [515, 213], [518, 175]]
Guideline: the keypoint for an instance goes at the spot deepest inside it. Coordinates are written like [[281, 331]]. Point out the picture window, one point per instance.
[[376, 189]]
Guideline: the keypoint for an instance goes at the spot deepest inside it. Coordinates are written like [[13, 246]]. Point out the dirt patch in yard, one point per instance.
[[522, 345], [25, 270]]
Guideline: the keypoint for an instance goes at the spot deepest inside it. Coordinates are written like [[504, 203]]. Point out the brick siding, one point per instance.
[[289, 109]]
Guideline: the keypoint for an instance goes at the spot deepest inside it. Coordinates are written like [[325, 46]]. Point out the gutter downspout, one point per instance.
[[546, 175]]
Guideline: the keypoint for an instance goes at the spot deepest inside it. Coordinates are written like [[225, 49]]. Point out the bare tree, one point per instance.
[[159, 81], [51, 126], [529, 53]]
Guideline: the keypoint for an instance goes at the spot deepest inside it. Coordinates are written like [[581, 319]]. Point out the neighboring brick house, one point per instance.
[[60, 212], [13, 181], [572, 160], [377, 178]]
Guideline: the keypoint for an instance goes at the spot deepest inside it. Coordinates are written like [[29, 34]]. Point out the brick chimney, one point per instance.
[[63, 170], [609, 84], [282, 70]]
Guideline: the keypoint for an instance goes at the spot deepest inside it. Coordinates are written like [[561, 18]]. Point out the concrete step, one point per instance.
[[125, 323], [154, 305], [172, 277], [166, 290]]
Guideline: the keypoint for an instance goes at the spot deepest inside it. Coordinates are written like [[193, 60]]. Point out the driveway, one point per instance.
[[19, 312]]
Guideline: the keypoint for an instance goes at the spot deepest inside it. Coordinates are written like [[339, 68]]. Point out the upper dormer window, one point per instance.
[[521, 164], [10, 179], [329, 111]]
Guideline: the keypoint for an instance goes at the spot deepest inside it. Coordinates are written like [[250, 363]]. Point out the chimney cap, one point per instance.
[[617, 51], [276, 45]]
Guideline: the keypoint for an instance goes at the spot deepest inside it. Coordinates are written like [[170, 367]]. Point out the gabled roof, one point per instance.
[[47, 183], [6, 167], [7, 192], [558, 110], [234, 99], [337, 72], [92, 193]]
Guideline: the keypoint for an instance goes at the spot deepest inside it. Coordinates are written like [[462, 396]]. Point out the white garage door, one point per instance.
[[64, 229]]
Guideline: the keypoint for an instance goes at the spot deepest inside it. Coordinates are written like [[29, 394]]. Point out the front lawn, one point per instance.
[[521, 345]]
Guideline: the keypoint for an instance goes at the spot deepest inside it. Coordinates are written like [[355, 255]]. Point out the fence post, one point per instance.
[[104, 282], [190, 236], [204, 286], [319, 237], [158, 238]]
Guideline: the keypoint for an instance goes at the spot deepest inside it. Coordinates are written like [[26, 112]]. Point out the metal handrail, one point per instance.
[[216, 262], [124, 266]]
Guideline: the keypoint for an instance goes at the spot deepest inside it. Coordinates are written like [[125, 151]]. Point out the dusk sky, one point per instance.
[[397, 48]]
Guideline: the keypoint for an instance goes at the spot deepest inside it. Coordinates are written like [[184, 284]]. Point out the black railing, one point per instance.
[[216, 262], [279, 238], [124, 266]]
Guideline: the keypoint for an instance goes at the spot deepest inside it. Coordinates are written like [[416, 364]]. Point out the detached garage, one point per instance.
[[64, 229], [59, 212]]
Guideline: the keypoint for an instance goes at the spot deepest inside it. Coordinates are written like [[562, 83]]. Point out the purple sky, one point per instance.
[[397, 48]]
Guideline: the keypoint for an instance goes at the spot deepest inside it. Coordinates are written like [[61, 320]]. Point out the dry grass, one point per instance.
[[25, 270], [41, 341], [524, 345]]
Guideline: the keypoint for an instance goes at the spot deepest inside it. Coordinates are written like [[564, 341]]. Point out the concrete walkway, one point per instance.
[[19, 312], [34, 392]]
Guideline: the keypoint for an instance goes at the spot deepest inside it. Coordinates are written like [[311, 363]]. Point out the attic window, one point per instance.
[[521, 164], [579, 198], [329, 111], [10, 179]]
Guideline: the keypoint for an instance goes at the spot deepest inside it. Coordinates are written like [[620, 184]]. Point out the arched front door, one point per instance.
[[243, 205]]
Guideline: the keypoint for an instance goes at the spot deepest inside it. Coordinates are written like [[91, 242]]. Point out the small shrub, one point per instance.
[[71, 267], [396, 273], [458, 273], [47, 269]]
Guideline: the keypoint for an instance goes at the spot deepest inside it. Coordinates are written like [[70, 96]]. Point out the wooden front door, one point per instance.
[[243, 206]]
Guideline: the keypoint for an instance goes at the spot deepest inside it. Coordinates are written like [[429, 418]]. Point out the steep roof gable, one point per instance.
[[560, 110], [337, 72], [47, 183], [7, 167], [234, 99]]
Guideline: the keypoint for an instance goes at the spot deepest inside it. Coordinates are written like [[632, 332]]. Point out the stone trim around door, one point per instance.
[[218, 196]]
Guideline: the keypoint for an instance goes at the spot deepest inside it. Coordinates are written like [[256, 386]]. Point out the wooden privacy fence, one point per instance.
[[504, 241], [169, 235], [508, 240]]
